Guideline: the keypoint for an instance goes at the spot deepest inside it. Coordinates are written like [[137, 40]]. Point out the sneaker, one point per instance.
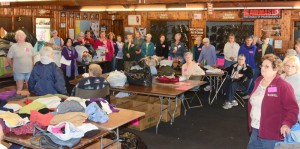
[[234, 103], [246, 97], [227, 105], [207, 88]]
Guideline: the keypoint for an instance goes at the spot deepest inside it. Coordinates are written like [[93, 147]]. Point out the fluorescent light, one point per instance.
[[296, 7], [93, 8], [119, 8], [182, 9], [228, 8], [150, 8], [269, 7]]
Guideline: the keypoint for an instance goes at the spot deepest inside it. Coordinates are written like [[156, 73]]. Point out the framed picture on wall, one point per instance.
[[134, 20], [63, 25], [77, 15]]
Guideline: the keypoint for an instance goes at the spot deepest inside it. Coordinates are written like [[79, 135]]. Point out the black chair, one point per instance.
[[195, 92], [237, 95], [87, 94]]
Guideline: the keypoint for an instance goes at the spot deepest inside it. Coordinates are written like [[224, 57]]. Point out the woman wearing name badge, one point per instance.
[[148, 47], [20, 57], [208, 54], [70, 71], [197, 47], [292, 74], [190, 67], [272, 107], [162, 48], [109, 49], [177, 48]]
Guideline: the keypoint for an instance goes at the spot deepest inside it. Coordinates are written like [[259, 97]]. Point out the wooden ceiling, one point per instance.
[[217, 3]]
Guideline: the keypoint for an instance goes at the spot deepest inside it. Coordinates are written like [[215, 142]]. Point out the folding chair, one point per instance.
[[87, 94], [238, 97], [195, 92]]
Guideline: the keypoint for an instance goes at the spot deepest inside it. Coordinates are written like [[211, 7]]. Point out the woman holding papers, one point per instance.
[[68, 63]]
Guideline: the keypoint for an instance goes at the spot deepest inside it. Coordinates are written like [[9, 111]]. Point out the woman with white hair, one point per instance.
[[190, 67], [148, 47], [177, 48], [20, 57], [46, 77], [292, 74], [55, 39], [208, 54]]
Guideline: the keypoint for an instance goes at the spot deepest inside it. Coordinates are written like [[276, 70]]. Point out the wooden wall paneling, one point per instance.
[[6, 23], [285, 23], [230, 15], [62, 30]]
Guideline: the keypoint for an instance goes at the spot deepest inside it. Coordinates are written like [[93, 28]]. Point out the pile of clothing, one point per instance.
[[64, 118]]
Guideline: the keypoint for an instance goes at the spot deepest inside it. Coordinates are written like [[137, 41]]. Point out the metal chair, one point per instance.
[[195, 92], [86, 94], [238, 97]]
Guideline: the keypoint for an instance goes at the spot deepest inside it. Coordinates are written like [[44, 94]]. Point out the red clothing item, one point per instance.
[[89, 40], [43, 119], [279, 107], [109, 46]]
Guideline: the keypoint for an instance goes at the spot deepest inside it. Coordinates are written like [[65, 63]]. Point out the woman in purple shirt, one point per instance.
[[70, 71]]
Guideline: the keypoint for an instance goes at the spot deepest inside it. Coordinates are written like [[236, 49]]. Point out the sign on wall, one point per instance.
[[134, 20], [42, 29], [262, 13]]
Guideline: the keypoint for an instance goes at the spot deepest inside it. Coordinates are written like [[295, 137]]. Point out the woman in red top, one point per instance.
[[109, 50], [272, 106]]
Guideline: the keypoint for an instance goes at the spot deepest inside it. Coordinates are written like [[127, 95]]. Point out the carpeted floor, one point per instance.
[[210, 127]]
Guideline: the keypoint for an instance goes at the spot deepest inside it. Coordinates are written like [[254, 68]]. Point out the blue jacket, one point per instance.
[[46, 79], [249, 53], [150, 51]]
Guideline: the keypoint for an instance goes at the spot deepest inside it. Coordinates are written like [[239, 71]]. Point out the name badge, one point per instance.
[[272, 95], [163, 45], [272, 89], [259, 50], [185, 70], [179, 46], [251, 52], [26, 49], [199, 49]]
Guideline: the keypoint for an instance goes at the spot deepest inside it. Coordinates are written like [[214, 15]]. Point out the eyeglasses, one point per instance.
[[289, 66]]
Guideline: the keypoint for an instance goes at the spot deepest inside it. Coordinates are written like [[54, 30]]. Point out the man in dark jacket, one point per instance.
[[239, 76], [46, 77]]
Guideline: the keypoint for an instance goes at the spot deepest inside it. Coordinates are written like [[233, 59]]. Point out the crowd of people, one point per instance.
[[270, 84]]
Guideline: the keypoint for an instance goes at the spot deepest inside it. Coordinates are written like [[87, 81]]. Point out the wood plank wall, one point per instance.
[[54, 12]]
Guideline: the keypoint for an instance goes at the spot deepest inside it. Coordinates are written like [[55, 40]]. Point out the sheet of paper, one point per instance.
[[64, 61]]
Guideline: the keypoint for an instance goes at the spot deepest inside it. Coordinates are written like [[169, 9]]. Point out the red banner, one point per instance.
[[262, 13]]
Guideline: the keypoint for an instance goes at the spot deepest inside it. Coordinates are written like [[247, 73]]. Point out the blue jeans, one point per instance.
[[258, 143], [228, 63], [230, 89], [113, 64], [256, 74]]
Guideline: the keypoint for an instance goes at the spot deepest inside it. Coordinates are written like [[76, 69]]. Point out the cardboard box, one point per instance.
[[143, 98], [130, 104], [150, 119], [165, 115], [97, 144]]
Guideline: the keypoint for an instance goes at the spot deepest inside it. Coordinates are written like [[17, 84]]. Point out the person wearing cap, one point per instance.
[[46, 77], [208, 54], [148, 47], [55, 39]]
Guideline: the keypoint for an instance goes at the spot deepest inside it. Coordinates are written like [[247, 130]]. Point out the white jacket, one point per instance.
[[231, 51]]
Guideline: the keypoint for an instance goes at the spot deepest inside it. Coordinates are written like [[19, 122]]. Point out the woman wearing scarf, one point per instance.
[[46, 77], [70, 71]]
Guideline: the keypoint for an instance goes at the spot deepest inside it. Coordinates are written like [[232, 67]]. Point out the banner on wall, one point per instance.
[[42, 29], [134, 20], [262, 13], [83, 25]]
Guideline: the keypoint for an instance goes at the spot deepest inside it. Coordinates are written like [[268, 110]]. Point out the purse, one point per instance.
[[141, 76], [49, 141]]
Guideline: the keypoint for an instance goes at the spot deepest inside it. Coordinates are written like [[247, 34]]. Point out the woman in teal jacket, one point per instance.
[[148, 47]]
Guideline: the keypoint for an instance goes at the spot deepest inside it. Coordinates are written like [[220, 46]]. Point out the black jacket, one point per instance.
[[162, 49], [130, 50], [258, 54], [246, 71]]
